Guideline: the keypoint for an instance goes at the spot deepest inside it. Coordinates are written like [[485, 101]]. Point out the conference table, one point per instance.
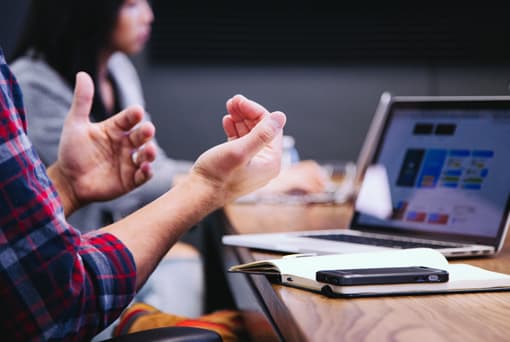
[[273, 312]]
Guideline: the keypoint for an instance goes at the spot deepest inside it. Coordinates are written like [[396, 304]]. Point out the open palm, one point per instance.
[[252, 155], [97, 157]]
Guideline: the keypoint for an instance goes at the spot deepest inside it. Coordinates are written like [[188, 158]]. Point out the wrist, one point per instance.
[[64, 188], [204, 190]]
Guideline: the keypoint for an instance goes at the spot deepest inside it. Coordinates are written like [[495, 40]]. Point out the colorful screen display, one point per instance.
[[448, 170]]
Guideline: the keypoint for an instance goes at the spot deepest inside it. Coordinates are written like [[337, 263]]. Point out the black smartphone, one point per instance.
[[387, 275]]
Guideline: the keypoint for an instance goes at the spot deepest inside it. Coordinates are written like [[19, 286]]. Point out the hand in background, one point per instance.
[[101, 161], [250, 158], [304, 177]]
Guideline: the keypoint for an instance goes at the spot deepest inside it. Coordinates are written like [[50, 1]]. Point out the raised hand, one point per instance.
[[244, 115], [100, 161], [252, 155], [248, 160]]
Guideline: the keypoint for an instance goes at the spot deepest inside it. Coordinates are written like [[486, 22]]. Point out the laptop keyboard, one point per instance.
[[365, 240]]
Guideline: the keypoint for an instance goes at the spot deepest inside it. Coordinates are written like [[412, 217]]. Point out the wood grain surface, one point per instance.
[[305, 316]]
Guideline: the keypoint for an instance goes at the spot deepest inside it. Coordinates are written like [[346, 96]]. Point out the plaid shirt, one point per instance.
[[54, 282]]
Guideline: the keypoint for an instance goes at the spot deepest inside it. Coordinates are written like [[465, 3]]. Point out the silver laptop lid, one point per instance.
[[447, 160]]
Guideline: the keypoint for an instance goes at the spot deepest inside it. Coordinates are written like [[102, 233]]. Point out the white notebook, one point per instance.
[[299, 271]]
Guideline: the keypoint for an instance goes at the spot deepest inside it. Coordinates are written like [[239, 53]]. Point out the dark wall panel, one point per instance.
[[306, 32]]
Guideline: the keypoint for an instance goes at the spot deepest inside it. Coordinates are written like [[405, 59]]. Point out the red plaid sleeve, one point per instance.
[[54, 282]]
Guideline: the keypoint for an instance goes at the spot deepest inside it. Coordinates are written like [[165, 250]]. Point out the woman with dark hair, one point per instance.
[[63, 37]]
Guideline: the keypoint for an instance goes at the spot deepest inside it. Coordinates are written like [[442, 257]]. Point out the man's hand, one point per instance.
[[249, 159], [101, 161]]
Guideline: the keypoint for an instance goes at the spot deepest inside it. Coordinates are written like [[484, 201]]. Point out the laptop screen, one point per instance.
[[448, 167]]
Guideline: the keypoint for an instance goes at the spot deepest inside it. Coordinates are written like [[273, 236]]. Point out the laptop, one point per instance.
[[447, 162]]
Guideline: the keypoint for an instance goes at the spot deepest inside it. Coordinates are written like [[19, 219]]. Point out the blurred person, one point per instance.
[[58, 41]]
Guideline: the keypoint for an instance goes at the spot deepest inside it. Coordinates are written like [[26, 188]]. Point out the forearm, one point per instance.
[[151, 231]]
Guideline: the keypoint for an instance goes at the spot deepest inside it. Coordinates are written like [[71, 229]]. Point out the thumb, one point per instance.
[[264, 133], [83, 96]]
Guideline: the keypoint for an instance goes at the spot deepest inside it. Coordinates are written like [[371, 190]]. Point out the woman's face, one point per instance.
[[133, 26]]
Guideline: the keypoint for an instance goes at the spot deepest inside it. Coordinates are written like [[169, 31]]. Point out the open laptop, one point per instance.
[[447, 161]]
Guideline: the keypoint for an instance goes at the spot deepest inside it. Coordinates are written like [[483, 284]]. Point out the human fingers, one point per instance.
[[142, 159], [142, 134], [316, 178], [245, 113], [237, 120], [312, 185], [229, 127], [146, 153], [127, 119], [243, 108], [143, 173], [82, 97], [263, 134]]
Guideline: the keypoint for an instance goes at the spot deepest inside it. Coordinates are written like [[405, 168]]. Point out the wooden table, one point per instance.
[[275, 312]]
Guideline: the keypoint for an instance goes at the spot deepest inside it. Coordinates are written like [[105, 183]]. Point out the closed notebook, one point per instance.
[[299, 271]]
